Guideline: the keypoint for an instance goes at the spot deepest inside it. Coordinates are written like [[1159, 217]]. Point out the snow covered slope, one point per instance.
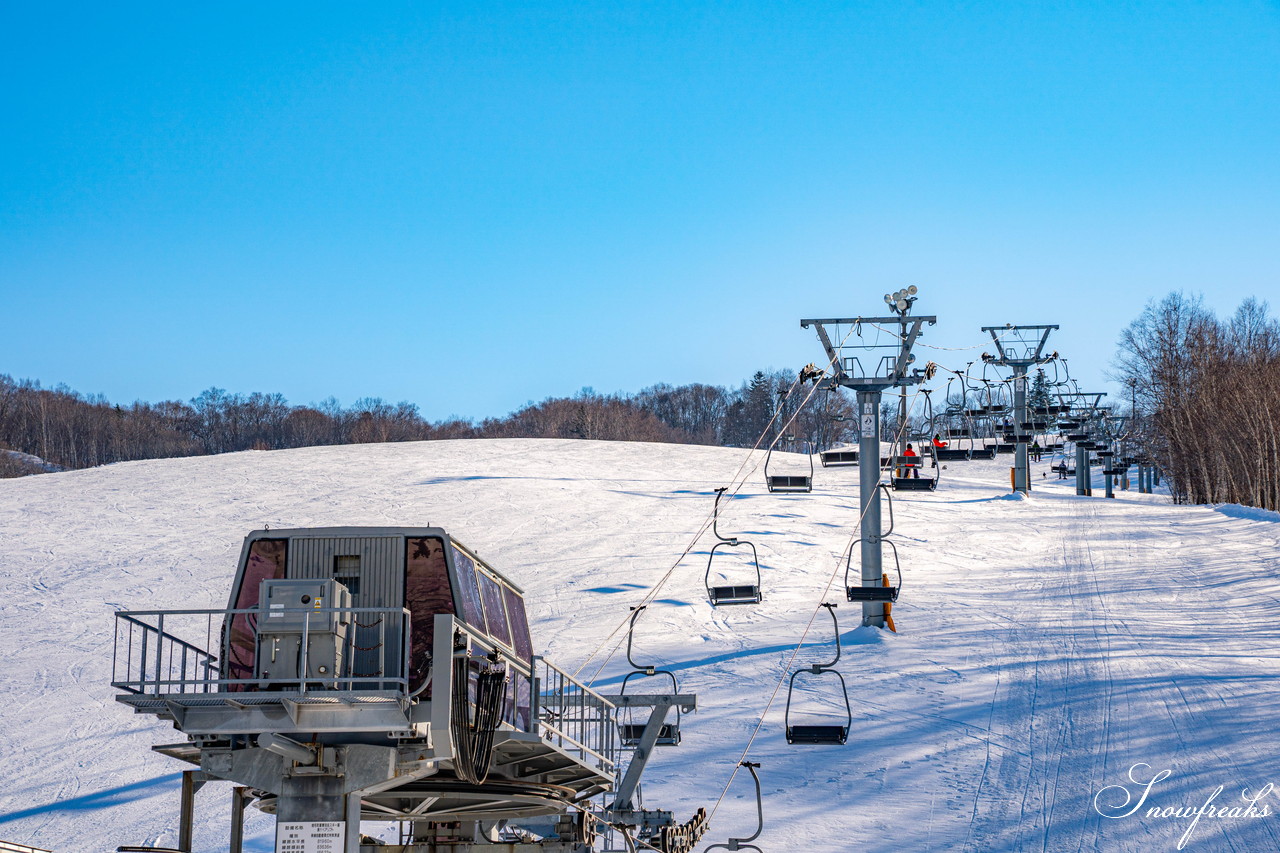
[[1046, 645]]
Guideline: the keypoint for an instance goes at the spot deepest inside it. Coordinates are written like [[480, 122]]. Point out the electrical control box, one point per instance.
[[303, 630]]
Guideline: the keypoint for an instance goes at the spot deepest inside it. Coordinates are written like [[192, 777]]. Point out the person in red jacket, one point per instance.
[[913, 467], [937, 441]]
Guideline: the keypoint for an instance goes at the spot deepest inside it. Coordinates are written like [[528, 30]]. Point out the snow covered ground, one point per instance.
[[1046, 646]]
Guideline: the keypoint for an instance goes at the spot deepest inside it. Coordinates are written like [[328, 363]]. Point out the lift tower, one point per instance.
[[888, 361], [1019, 348], [1084, 416]]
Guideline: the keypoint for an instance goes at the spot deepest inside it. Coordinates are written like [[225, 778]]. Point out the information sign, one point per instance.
[[326, 836]]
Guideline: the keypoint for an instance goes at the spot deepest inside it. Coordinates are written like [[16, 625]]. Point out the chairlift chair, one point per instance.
[[882, 593], [745, 843], [839, 458], [730, 594], [912, 464], [630, 732], [832, 734], [787, 482], [953, 452]]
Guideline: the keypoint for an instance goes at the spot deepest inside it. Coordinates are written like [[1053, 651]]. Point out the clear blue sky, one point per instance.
[[471, 205]]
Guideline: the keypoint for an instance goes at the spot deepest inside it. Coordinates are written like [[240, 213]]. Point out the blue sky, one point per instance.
[[472, 205]]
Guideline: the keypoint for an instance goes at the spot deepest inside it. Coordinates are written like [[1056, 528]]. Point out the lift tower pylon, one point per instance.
[[1019, 348], [888, 365], [1085, 411]]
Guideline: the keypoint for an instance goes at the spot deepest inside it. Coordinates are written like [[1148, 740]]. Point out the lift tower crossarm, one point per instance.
[[912, 327], [1008, 358]]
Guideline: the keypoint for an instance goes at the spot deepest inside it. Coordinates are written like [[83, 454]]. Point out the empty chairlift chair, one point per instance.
[[834, 733], [884, 592], [730, 593], [788, 482], [745, 843], [839, 457], [629, 731]]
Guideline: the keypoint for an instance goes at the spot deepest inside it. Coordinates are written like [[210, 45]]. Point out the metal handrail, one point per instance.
[[10, 847], [148, 670], [584, 688]]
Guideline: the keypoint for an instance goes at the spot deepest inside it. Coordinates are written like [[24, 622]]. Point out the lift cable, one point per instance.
[[738, 480], [794, 653]]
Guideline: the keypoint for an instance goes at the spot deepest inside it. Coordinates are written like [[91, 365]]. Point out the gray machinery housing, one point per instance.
[[294, 611], [389, 674]]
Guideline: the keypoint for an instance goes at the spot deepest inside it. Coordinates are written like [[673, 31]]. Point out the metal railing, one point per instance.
[[167, 652], [573, 716], [10, 847]]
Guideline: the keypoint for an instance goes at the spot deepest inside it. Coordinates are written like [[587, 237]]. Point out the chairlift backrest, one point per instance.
[[726, 594], [830, 733]]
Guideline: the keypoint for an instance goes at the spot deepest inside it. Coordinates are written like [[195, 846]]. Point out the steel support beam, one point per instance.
[[186, 818], [869, 501], [1021, 464], [648, 740], [239, 799]]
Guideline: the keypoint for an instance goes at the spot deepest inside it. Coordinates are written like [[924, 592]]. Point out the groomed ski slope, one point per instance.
[[1046, 645]]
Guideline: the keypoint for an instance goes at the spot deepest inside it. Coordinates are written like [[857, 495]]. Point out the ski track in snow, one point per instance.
[[1046, 645]]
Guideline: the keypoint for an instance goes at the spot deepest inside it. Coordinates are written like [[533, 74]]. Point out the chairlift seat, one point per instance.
[[790, 483], [833, 735], [871, 593], [952, 454], [1007, 448], [744, 594], [837, 458], [983, 453], [630, 733], [1077, 436], [914, 484]]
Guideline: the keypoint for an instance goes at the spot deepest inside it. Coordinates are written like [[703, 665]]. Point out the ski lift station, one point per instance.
[[389, 674]]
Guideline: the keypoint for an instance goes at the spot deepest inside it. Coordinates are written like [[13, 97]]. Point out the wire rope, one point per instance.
[[800, 644]]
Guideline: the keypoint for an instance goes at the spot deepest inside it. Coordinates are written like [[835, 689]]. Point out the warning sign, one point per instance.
[[868, 426], [326, 836]]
